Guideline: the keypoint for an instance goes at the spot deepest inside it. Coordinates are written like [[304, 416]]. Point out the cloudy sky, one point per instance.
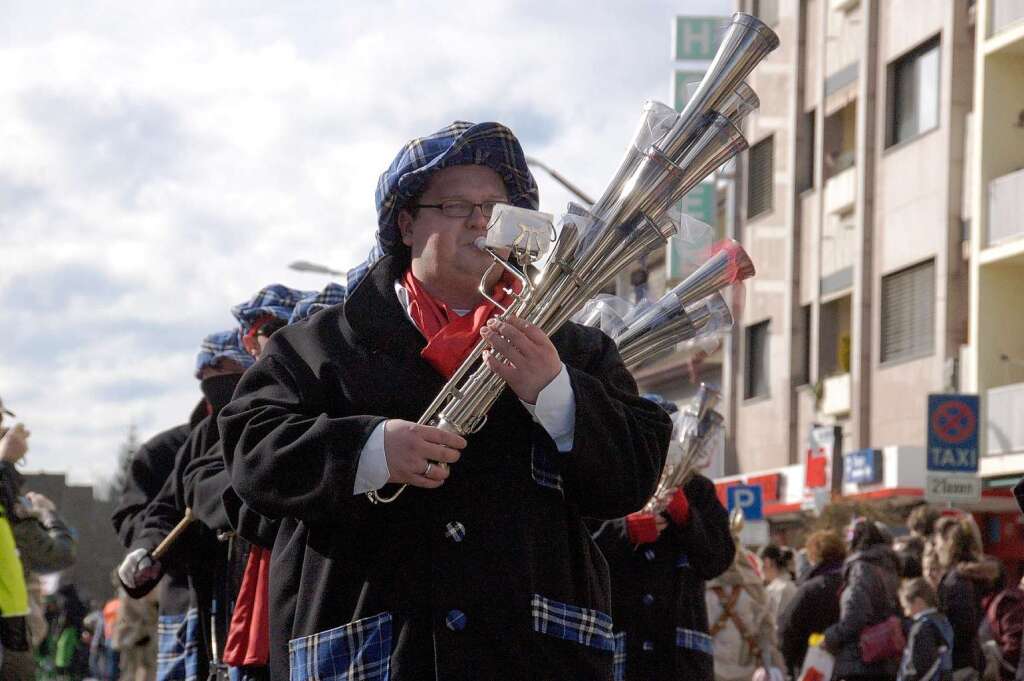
[[162, 161]]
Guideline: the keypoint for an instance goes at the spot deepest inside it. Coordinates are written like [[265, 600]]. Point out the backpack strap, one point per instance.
[[729, 613], [727, 606]]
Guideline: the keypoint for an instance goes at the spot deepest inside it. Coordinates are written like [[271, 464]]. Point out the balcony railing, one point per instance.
[[1005, 13], [841, 189], [1005, 427], [1006, 207], [836, 392]]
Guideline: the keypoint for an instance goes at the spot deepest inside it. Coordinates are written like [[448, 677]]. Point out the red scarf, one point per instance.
[[450, 337], [248, 641]]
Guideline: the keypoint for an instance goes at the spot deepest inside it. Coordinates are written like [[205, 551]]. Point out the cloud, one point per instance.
[[162, 161]]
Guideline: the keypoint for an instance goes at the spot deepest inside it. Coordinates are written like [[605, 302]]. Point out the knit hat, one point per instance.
[[461, 143], [223, 344]]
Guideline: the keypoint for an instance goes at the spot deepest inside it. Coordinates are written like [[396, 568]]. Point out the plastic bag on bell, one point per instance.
[[818, 663]]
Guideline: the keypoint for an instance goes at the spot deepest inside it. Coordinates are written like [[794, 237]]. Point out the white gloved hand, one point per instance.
[[137, 568]]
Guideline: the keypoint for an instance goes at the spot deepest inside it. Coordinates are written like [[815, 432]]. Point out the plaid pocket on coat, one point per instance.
[[569, 622], [619, 660], [177, 657], [358, 651], [694, 640]]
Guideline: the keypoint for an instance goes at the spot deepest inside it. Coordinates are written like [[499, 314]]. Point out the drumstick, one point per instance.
[[178, 530]]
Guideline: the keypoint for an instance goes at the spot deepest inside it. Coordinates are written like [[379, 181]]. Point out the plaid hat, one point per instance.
[[5, 410], [223, 344], [669, 407], [332, 294], [461, 143], [275, 300]]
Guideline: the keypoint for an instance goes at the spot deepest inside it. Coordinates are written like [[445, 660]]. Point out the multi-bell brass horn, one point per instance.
[[668, 157], [695, 427]]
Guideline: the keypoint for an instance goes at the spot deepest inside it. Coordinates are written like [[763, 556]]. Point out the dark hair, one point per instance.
[[918, 587], [922, 520], [827, 545], [783, 558], [867, 533]]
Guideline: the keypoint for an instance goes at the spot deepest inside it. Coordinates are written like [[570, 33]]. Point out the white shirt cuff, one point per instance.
[[555, 410], [372, 472]]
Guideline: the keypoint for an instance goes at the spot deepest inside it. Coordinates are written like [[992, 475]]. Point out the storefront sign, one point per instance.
[[953, 488], [770, 484], [863, 467], [823, 465], [697, 38]]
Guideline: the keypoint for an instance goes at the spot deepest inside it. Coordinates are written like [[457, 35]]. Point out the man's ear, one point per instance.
[[405, 226]]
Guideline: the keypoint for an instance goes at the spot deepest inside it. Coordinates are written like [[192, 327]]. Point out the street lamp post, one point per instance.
[[580, 194], [306, 266]]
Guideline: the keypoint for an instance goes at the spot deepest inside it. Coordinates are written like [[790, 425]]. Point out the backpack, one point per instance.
[[1005, 617]]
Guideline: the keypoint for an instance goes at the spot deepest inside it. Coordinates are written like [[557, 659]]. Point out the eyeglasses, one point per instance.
[[461, 209]]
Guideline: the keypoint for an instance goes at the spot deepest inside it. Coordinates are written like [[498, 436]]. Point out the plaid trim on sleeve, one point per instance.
[[358, 651], [177, 657], [569, 622], [619, 660], [694, 640]]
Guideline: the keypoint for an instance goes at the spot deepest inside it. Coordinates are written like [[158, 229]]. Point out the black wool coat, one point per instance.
[[813, 608], [197, 558], [150, 468], [658, 606], [494, 574]]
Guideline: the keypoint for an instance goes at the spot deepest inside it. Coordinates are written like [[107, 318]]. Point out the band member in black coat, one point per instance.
[[149, 470], [185, 633], [208, 552], [658, 565], [482, 569]]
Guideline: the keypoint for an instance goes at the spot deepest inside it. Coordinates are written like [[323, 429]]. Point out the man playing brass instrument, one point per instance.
[[483, 569]]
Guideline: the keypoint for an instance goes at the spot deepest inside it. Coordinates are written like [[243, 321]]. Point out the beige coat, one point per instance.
[[734, 658]]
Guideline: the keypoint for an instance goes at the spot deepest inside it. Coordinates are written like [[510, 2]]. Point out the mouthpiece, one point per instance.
[[481, 243]]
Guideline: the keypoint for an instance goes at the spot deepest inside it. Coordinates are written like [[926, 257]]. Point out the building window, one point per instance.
[[908, 313], [767, 11], [760, 183], [913, 85], [802, 361], [805, 153], [756, 361]]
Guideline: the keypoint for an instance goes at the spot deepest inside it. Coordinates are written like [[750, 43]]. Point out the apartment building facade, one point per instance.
[[851, 204], [994, 357]]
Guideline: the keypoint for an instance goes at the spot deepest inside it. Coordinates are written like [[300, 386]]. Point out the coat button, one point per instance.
[[455, 531], [648, 599], [649, 554], [455, 620], [648, 646]]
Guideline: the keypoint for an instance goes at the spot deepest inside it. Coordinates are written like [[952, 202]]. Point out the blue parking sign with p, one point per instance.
[[747, 498]]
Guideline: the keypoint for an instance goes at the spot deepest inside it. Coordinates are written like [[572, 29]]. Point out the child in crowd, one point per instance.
[[929, 652]]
